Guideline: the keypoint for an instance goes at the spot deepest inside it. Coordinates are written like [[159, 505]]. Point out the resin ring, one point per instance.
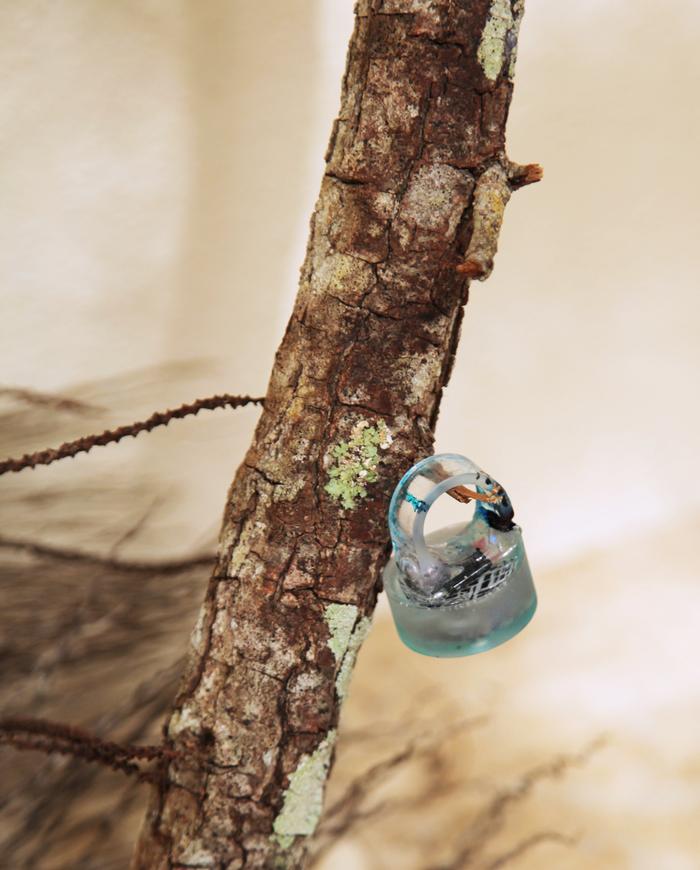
[[466, 587]]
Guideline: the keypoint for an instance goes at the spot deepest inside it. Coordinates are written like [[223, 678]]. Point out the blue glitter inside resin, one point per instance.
[[417, 505]]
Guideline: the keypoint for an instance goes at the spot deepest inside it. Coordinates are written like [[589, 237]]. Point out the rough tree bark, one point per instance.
[[416, 183]]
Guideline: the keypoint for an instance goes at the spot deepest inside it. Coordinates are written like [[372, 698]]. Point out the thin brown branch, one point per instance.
[[56, 737], [349, 810], [42, 804], [47, 400], [525, 846], [345, 807], [362, 785], [111, 436], [492, 817], [45, 551], [135, 528]]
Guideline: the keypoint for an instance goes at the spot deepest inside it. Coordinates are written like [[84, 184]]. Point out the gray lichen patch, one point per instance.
[[420, 379], [250, 533], [433, 205], [345, 277], [303, 798], [357, 638], [288, 491], [354, 462], [183, 719], [518, 12], [197, 855], [359, 228], [493, 45], [340, 618], [197, 638]]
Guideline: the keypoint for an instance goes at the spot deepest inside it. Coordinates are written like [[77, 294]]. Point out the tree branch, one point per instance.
[[352, 402], [526, 845], [47, 400], [65, 554], [492, 817]]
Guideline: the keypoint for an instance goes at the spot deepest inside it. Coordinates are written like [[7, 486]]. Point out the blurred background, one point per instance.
[[159, 161]]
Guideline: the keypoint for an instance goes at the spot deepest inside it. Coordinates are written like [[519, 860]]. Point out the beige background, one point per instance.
[[159, 162]]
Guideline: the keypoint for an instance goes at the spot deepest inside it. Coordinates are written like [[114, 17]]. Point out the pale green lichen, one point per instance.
[[197, 636], [342, 681], [284, 841], [340, 618], [303, 799], [356, 461], [518, 10], [492, 47]]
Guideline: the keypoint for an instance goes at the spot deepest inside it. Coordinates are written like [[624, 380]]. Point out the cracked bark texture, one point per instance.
[[369, 345]]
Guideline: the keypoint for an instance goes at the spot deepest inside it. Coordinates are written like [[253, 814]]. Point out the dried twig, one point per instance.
[[47, 400], [345, 813], [525, 845], [135, 528], [49, 737], [110, 436], [175, 566], [492, 817], [44, 803]]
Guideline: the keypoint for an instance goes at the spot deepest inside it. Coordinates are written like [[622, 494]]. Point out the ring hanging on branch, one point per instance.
[[463, 589]]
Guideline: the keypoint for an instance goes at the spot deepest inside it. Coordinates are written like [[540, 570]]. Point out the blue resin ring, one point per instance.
[[465, 588]]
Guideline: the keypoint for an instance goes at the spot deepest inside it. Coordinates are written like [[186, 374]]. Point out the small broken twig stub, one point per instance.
[[519, 175]]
